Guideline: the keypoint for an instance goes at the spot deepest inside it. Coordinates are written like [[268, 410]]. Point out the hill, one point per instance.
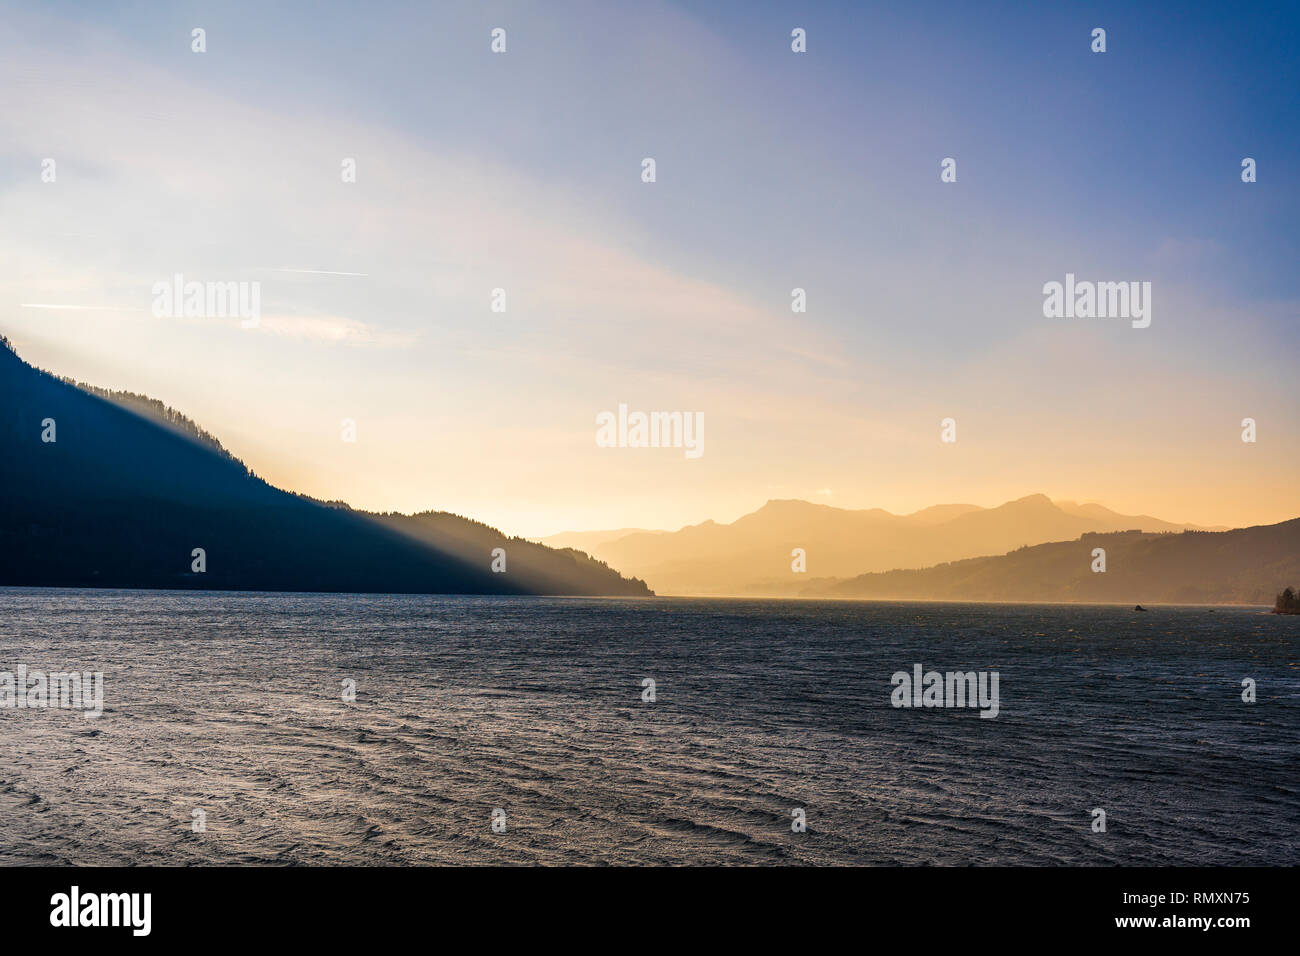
[[129, 488], [1244, 566]]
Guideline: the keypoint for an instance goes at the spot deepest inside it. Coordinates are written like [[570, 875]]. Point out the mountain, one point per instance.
[[1245, 566], [752, 555], [129, 488], [586, 540]]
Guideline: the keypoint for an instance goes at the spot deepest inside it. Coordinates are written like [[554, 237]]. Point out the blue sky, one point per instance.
[[775, 170]]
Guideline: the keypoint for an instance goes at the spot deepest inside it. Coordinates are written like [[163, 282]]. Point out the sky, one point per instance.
[[775, 170]]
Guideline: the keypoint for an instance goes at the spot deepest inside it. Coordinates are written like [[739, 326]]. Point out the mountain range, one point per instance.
[[753, 555], [115, 489]]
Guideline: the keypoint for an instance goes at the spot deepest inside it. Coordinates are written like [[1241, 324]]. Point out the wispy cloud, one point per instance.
[[334, 330]]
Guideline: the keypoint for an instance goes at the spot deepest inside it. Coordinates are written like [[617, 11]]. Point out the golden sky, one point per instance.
[[515, 173]]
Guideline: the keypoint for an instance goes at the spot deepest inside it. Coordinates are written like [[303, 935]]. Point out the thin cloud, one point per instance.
[[335, 330]]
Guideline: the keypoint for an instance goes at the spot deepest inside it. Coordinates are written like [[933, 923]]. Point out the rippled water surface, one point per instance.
[[232, 704]]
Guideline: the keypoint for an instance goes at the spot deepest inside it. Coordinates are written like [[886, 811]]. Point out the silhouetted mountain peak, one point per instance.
[[1031, 501]]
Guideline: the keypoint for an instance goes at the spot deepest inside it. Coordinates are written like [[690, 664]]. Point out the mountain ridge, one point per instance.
[[119, 498], [1241, 566], [752, 555]]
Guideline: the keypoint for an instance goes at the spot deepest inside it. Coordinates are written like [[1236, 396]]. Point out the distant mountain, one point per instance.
[[752, 555], [586, 540], [1245, 566], [129, 488]]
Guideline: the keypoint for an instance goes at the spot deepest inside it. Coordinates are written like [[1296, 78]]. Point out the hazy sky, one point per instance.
[[775, 170]]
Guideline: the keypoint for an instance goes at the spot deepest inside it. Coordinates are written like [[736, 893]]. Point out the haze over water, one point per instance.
[[231, 703]]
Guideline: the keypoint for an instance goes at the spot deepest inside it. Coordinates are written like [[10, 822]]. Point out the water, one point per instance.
[[232, 704]]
